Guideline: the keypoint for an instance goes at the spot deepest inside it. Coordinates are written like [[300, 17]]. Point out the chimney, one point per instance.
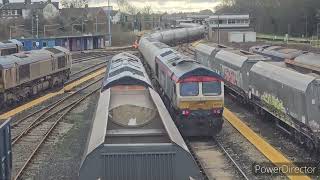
[[27, 1], [5, 1]]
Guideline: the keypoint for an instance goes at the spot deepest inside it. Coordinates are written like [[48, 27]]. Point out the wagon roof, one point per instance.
[[204, 48], [238, 58], [310, 59], [125, 68], [283, 75]]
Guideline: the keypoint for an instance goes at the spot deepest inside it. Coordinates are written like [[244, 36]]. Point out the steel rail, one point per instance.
[[70, 108]]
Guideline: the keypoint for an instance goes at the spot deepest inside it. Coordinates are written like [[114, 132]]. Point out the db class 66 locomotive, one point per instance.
[[193, 93], [27, 73]]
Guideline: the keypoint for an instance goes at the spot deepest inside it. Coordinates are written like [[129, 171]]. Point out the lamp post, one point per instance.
[[109, 22]]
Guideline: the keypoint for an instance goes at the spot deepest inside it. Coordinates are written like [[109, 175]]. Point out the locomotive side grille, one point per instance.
[[139, 166]]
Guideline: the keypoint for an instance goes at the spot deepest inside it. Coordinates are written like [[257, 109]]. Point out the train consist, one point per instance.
[[10, 47], [193, 93], [5, 150], [290, 97], [302, 61], [27, 73], [133, 136]]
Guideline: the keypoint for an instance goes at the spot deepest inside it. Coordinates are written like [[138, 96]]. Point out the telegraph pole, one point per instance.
[[32, 25], [109, 23], [37, 25], [218, 29]]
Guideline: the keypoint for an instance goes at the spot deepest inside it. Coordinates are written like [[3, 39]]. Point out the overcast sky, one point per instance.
[[157, 5], [165, 5]]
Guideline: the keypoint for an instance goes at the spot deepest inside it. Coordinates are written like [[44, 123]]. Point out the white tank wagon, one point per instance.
[[176, 36], [133, 136], [10, 47], [275, 91], [28, 73]]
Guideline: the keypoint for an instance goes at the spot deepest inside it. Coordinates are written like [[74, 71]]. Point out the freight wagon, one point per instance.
[[290, 97], [133, 136]]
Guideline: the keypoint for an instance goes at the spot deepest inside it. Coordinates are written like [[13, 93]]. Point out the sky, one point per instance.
[[169, 6]]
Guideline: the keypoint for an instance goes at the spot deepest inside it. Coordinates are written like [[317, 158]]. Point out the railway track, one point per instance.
[[206, 153], [82, 57], [30, 132]]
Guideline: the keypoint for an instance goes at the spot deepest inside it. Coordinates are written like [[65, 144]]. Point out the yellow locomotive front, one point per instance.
[[199, 105]]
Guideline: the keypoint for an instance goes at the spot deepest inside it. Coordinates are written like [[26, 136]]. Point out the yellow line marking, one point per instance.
[[50, 95], [265, 148], [196, 43]]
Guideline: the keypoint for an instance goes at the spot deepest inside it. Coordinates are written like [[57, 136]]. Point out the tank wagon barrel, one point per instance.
[[290, 96], [133, 136], [193, 93]]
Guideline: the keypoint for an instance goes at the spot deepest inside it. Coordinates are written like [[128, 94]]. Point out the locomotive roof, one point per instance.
[[125, 68], [182, 66], [10, 44], [285, 76], [28, 57]]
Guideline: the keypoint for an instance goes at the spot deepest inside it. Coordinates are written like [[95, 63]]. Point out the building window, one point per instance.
[[44, 44]]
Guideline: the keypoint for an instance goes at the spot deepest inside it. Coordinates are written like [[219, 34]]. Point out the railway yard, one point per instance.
[[51, 131]]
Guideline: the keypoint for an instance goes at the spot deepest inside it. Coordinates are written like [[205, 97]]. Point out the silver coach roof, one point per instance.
[[283, 75], [28, 57]]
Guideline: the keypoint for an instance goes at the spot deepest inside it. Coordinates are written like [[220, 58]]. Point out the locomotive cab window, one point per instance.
[[211, 88], [189, 89], [62, 62]]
